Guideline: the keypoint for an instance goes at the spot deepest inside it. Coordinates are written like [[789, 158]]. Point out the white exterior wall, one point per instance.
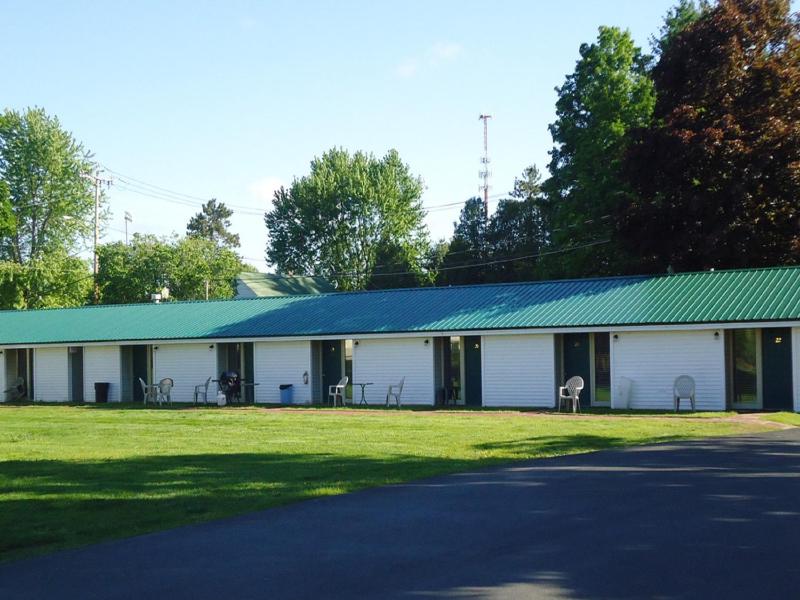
[[653, 359], [51, 374], [518, 370], [102, 363], [187, 364], [385, 361], [276, 363], [796, 367]]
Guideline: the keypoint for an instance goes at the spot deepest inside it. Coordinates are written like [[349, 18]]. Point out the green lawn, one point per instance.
[[788, 418], [74, 475]]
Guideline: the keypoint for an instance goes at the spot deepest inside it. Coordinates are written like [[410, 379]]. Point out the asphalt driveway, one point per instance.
[[703, 519]]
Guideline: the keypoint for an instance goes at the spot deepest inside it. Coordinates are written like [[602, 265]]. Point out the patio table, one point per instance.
[[363, 388]]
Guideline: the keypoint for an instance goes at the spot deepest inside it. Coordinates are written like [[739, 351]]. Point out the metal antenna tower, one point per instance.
[[484, 172]]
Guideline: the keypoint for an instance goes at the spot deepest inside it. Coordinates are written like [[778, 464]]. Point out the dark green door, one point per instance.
[[473, 386], [139, 360], [249, 372], [577, 361], [331, 365], [776, 357], [76, 374]]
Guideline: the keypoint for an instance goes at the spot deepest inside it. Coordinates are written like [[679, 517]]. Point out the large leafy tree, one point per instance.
[[129, 273], [609, 93], [716, 177], [213, 223], [348, 212], [46, 212]]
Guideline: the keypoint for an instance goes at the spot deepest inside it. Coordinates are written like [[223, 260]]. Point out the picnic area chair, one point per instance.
[[202, 390], [571, 392], [16, 391], [148, 391], [165, 390], [338, 390], [395, 391], [683, 388]]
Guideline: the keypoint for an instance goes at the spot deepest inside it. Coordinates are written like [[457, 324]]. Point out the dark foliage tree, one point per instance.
[[213, 223], [715, 180], [517, 230], [468, 246]]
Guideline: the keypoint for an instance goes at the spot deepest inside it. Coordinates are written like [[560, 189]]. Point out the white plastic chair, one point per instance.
[[683, 388], [148, 391], [202, 390], [338, 390], [16, 391], [165, 390], [395, 391], [571, 392]]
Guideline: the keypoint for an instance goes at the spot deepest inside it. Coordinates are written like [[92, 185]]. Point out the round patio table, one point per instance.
[[363, 387]]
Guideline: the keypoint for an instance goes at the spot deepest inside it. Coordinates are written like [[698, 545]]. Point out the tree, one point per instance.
[[129, 273], [468, 246], [716, 177], [517, 230], [677, 19], [609, 93], [213, 223], [197, 261], [46, 211], [335, 220]]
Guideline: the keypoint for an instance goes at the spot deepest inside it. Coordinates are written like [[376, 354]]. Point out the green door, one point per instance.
[[140, 370], [473, 382], [331, 365], [577, 361], [776, 358]]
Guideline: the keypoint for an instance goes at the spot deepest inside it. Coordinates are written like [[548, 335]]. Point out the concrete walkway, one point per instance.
[[704, 519]]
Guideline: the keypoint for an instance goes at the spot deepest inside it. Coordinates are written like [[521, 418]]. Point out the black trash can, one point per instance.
[[101, 392], [286, 393]]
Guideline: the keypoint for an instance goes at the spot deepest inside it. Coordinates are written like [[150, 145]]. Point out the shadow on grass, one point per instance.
[[596, 527], [50, 504]]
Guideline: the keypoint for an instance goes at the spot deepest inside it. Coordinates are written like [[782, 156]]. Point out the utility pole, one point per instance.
[[98, 181], [128, 219], [207, 285], [484, 172]]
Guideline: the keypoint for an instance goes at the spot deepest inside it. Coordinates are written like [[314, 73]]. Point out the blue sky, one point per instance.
[[231, 99]]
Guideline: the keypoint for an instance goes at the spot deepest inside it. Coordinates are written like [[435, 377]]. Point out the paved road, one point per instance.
[[706, 519]]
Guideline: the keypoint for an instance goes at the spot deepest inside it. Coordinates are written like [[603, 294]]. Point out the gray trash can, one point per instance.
[[286, 393]]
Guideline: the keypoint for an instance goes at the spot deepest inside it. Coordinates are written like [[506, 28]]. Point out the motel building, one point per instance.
[[736, 333]]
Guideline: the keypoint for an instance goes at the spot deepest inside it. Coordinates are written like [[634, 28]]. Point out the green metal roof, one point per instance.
[[707, 297], [251, 285]]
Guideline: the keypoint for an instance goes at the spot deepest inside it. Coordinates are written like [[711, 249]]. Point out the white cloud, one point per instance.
[[436, 55], [265, 188], [407, 68], [444, 52]]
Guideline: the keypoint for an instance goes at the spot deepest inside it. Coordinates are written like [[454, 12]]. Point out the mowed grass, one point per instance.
[[787, 418], [73, 475]]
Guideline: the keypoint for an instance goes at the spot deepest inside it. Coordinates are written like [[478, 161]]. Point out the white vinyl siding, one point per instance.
[[276, 363], [187, 365], [796, 367], [51, 375], [518, 370], [102, 363], [652, 360], [384, 362]]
